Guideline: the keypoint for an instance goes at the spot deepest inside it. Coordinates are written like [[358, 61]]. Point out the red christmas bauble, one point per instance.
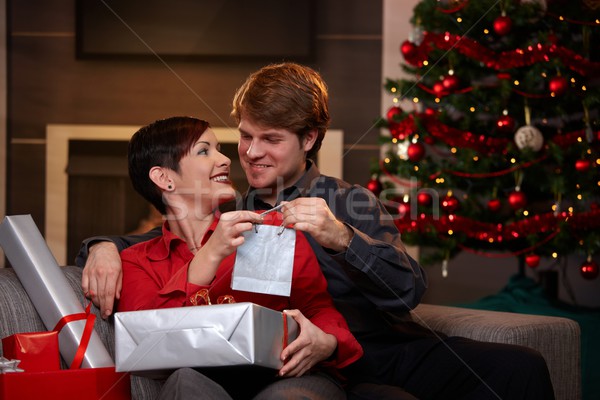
[[502, 25], [558, 85], [589, 270], [517, 200], [392, 112], [505, 125], [532, 260], [450, 82], [583, 165], [375, 186], [415, 152], [404, 210], [408, 49], [494, 205], [424, 199], [438, 88], [450, 204]]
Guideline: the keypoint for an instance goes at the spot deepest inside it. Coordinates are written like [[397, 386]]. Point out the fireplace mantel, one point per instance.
[[57, 179]]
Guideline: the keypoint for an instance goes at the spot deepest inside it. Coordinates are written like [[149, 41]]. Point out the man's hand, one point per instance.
[[313, 216], [310, 347], [102, 276]]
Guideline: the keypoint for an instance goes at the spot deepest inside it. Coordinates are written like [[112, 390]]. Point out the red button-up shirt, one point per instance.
[[155, 275]]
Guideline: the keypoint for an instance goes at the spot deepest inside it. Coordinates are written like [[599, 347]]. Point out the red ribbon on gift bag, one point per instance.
[[285, 331], [85, 337]]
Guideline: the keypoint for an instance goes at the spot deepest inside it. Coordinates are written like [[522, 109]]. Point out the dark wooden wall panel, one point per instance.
[[355, 103], [26, 180], [356, 17], [47, 84], [42, 16]]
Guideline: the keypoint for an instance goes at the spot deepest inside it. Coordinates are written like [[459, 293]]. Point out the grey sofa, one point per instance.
[[558, 339]]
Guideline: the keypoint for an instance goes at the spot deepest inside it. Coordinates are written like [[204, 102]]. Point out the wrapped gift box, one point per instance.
[[201, 336], [49, 289], [37, 351], [80, 384]]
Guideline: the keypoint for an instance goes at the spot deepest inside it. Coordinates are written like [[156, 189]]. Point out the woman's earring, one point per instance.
[[170, 187]]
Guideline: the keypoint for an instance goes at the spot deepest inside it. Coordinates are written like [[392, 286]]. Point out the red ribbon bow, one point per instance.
[[85, 337]]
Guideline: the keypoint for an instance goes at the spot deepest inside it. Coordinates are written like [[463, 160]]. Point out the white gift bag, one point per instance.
[[265, 262]]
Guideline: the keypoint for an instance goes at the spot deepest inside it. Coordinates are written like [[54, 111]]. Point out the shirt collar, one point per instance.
[[299, 189], [169, 241]]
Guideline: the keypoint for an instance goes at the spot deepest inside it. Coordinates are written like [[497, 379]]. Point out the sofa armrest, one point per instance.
[[556, 338]]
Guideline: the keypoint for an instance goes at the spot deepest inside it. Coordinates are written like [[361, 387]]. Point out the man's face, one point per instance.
[[272, 158]]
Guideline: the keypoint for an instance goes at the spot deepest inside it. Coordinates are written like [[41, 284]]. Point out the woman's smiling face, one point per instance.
[[204, 173]]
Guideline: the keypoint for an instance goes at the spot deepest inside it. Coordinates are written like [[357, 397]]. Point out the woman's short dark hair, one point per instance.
[[162, 143], [287, 96]]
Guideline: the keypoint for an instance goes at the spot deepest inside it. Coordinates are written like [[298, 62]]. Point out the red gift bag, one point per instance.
[[80, 384], [37, 351]]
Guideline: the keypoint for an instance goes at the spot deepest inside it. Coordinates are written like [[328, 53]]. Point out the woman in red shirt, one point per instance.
[[176, 165]]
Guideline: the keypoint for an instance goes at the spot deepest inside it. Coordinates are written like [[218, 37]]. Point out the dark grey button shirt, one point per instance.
[[375, 273]]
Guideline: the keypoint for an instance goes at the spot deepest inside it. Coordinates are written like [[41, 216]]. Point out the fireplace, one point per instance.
[[88, 190]]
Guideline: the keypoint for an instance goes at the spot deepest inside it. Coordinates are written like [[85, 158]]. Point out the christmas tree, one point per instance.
[[498, 152]]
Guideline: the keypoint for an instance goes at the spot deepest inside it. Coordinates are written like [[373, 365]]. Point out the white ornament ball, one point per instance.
[[416, 36], [530, 137], [402, 149]]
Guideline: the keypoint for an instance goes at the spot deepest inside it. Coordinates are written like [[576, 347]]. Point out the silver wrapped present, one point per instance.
[[201, 336], [48, 288]]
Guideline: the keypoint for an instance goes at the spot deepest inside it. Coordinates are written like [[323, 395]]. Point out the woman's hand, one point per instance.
[[228, 234], [310, 347], [224, 241]]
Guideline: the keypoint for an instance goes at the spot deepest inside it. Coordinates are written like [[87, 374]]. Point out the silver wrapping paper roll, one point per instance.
[[48, 288]]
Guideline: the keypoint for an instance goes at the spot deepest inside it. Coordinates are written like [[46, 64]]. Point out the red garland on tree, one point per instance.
[[500, 61], [397, 131]]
